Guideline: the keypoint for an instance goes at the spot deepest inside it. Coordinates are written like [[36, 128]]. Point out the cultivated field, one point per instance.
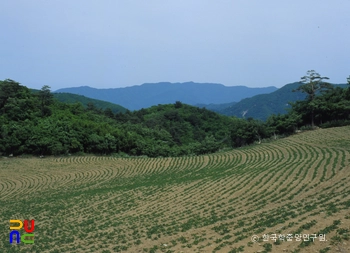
[[212, 203]]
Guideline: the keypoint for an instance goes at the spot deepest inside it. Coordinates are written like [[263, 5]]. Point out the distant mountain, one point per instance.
[[149, 94], [263, 105]]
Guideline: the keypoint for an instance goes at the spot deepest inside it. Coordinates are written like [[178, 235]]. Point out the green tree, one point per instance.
[[178, 104], [46, 99], [109, 113], [91, 106], [8, 89], [347, 90], [209, 145], [313, 82], [242, 132]]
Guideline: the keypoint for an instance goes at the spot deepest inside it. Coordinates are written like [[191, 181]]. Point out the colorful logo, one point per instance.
[[23, 238]]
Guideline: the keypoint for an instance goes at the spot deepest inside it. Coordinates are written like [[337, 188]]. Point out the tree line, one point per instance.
[[36, 123]]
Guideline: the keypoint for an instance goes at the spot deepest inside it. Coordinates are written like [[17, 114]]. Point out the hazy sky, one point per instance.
[[115, 43]]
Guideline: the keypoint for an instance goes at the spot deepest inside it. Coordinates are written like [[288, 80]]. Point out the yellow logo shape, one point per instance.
[[16, 221]]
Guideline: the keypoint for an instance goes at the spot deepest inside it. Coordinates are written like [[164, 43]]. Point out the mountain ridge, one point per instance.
[[149, 94]]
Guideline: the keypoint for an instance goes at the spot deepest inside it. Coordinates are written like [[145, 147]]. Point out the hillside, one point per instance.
[[210, 203], [216, 107], [100, 104], [149, 94], [264, 105], [70, 98]]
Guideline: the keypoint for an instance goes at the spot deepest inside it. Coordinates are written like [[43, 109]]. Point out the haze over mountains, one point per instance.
[[149, 94]]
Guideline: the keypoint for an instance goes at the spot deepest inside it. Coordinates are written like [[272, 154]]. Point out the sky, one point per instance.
[[120, 43]]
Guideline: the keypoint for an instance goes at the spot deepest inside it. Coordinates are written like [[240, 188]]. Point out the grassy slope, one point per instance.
[[214, 202]]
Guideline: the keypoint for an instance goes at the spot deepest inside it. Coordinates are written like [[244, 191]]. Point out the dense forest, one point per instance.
[[37, 123]]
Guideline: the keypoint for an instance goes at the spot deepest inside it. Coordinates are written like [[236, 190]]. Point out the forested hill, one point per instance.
[[149, 94], [216, 107], [88, 102], [264, 105], [85, 101], [38, 124]]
